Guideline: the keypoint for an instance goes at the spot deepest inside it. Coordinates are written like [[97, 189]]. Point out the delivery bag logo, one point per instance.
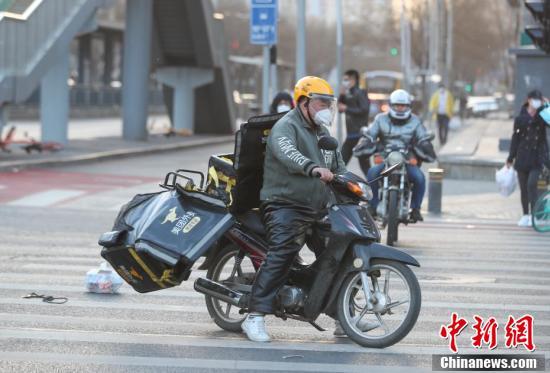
[[192, 223], [183, 221], [171, 217]]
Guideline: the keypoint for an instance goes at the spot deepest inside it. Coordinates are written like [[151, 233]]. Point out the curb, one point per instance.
[[470, 168], [112, 154]]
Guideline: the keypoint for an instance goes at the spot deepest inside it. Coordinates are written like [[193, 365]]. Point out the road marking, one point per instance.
[[46, 198], [202, 308], [428, 264], [223, 342], [237, 365], [424, 330]]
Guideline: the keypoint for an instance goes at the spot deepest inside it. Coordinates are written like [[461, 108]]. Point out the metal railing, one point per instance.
[[29, 40], [18, 9]]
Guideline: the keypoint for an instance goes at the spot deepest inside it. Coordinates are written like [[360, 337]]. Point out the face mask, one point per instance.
[[323, 117], [282, 108], [535, 104], [346, 83]]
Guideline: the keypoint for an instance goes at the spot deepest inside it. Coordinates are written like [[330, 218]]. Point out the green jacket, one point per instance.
[[291, 155]]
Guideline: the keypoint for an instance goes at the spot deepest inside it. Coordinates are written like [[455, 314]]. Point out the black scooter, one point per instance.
[[355, 279]]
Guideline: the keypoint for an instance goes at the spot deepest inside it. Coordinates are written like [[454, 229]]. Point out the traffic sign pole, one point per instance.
[[265, 80], [263, 31]]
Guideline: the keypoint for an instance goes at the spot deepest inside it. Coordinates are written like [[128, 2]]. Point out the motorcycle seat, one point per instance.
[[252, 220]]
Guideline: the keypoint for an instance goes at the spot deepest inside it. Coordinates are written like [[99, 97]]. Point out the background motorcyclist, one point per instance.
[[293, 198], [402, 128], [354, 102]]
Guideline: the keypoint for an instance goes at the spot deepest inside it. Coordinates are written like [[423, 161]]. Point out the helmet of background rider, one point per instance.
[[315, 88], [403, 99]]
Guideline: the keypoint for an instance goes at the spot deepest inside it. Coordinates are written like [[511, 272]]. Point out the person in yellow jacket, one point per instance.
[[441, 106]]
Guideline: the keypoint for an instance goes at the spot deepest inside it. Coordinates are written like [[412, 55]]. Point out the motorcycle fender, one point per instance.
[[368, 251]]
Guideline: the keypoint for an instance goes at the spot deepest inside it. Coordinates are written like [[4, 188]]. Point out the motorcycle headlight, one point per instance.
[[367, 191], [361, 190], [395, 158]]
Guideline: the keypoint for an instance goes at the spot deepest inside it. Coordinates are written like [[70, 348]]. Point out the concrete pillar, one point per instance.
[[435, 191], [84, 55], [184, 80], [137, 60], [3, 117], [54, 99], [108, 57]]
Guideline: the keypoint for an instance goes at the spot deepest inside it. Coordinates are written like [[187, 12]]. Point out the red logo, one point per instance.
[[485, 333], [452, 330], [520, 332], [517, 332]]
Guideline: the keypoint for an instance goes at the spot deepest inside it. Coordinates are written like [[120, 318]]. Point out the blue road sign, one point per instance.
[[263, 22]]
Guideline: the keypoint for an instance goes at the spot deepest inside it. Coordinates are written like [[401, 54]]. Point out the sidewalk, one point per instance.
[[472, 152], [99, 139]]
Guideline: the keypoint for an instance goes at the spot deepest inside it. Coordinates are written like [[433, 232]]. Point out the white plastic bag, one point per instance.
[[506, 179], [103, 280], [455, 123]]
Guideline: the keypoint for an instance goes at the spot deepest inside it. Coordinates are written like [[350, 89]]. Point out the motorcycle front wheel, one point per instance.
[[393, 310], [393, 217]]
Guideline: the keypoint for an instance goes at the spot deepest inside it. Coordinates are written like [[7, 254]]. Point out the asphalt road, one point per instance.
[[50, 220]]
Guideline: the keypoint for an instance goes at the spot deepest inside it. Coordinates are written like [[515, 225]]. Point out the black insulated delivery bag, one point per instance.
[[157, 237]]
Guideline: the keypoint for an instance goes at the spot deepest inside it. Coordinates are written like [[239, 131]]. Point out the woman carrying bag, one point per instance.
[[529, 151]]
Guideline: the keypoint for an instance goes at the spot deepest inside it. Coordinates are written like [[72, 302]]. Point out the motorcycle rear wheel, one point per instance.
[[225, 261], [394, 312]]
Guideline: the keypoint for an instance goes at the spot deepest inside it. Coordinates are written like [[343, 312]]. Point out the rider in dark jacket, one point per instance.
[[529, 151], [399, 127], [354, 101]]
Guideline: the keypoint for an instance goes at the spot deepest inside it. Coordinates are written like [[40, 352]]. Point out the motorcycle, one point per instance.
[[395, 193], [349, 280]]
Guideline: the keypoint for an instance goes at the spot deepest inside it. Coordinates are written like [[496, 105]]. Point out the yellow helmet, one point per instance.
[[311, 86]]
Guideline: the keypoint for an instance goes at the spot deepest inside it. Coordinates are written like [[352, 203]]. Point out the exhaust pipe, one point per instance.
[[219, 291]]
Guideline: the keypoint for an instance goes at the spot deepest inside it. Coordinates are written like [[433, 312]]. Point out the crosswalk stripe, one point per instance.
[[237, 365], [202, 308], [235, 342], [46, 198], [428, 288], [439, 277], [441, 265]]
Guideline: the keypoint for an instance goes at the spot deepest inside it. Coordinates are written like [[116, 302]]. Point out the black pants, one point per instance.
[[288, 226], [528, 188], [347, 152], [443, 127]]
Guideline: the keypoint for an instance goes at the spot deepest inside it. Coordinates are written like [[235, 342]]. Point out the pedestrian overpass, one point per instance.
[[176, 42]]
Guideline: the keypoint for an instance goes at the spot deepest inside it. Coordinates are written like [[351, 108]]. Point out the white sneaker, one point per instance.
[[254, 327], [525, 221], [364, 326]]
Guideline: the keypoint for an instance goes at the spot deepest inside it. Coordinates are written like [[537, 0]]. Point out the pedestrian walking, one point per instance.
[[354, 102], [441, 106], [529, 151]]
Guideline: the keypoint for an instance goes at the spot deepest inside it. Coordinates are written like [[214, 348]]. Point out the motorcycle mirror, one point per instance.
[[328, 143], [385, 173]]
